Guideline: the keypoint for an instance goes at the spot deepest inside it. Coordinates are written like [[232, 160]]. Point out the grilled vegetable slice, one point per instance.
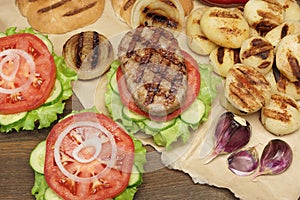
[[89, 53]]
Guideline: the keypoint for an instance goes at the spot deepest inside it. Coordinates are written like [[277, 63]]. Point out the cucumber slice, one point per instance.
[[113, 83], [135, 177], [131, 115], [159, 126], [37, 157], [47, 42], [11, 118], [194, 114], [51, 195], [55, 94]]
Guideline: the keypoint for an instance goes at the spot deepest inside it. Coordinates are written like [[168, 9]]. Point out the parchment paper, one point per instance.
[[189, 157]]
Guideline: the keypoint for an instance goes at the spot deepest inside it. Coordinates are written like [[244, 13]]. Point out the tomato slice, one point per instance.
[[27, 73], [88, 156], [193, 89]]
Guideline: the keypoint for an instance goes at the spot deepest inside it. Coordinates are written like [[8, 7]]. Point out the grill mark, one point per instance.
[[169, 3], [79, 10], [284, 31], [79, 50], [243, 98], [152, 89], [160, 71], [202, 37], [170, 56], [250, 77], [269, 15], [264, 65], [236, 56], [131, 46], [31, 1], [248, 80], [96, 49], [224, 14], [157, 18], [220, 54], [283, 102], [53, 6], [232, 31], [276, 115], [259, 48], [140, 73], [294, 64], [128, 4]]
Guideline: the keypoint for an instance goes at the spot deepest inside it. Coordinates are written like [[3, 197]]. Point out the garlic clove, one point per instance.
[[232, 133], [243, 162], [276, 158]]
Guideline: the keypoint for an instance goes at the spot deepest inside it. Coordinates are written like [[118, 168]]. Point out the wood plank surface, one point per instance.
[[17, 177]]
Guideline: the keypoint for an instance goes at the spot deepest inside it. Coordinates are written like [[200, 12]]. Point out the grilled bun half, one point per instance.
[[281, 115], [246, 88], [23, 6], [57, 17]]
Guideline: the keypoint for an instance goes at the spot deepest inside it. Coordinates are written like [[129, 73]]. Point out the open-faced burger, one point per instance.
[[34, 81], [154, 86], [87, 156]]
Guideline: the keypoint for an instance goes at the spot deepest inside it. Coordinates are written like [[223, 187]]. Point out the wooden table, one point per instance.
[[17, 177]]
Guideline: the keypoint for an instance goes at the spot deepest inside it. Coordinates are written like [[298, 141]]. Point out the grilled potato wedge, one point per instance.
[[287, 57], [222, 59], [197, 41], [281, 115], [225, 27], [257, 52], [264, 15], [246, 88], [279, 32]]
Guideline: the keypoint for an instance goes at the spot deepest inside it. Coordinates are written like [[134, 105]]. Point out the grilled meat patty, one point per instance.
[[154, 69]]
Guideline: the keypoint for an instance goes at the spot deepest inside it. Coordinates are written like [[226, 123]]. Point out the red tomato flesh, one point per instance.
[[193, 89], [224, 3], [43, 82], [109, 184]]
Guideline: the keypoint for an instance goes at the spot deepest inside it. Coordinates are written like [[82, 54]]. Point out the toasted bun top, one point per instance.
[[56, 17]]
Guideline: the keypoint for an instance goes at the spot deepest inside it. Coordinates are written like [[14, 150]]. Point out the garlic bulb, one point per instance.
[[232, 133]]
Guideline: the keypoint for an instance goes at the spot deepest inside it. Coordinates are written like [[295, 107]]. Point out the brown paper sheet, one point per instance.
[[189, 157]]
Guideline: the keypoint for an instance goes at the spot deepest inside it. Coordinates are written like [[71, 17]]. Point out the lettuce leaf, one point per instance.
[[40, 186], [165, 137], [46, 114]]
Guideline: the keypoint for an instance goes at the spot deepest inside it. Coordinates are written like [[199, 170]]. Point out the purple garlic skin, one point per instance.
[[243, 162], [232, 133], [276, 158]]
